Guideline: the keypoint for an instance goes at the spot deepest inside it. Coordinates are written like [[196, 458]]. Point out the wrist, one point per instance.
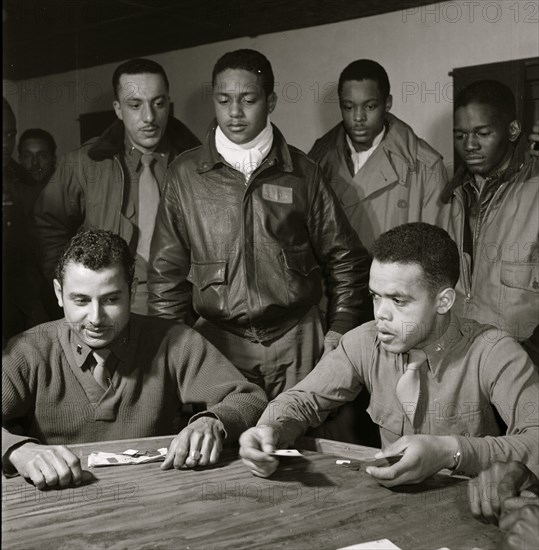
[[452, 452]]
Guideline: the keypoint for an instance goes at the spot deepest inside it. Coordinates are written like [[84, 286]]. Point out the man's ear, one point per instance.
[[272, 102], [389, 103], [117, 109], [134, 286], [58, 292], [514, 130], [445, 300]]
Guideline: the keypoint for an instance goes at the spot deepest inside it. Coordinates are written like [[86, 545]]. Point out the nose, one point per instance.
[[382, 311], [471, 143], [359, 114], [235, 110], [148, 114], [95, 314], [34, 162]]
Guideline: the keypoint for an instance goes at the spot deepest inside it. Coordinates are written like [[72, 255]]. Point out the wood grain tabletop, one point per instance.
[[309, 503]]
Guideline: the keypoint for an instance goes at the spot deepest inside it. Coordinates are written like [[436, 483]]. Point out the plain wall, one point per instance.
[[418, 47]]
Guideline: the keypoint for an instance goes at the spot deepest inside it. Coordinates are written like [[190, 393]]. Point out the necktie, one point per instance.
[[408, 387], [101, 374], [148, 201]]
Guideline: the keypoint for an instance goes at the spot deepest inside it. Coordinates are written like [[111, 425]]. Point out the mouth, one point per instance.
[[384, 335], [150, 130], [96, 333], [236, 127], [474, 160]]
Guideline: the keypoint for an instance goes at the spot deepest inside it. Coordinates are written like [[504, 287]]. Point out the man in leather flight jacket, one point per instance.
[[246, 233]]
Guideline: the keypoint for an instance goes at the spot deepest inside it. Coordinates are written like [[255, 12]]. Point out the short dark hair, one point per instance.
[[366, 69], [38, 133], [492, 93], [423, 244], [137, 66], [97, 249], [248, 60]]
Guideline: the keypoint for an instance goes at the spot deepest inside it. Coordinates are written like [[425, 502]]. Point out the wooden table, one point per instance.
[[309, 503]]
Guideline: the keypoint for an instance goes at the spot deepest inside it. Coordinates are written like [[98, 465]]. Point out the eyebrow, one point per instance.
[[393, 295], [482, 127], [78, 295], [138, 98]]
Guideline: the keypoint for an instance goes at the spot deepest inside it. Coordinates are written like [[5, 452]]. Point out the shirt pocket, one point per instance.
[[386, 416], [209, 280], [302, 278]]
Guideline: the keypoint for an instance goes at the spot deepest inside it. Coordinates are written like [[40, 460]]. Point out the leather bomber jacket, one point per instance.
[[250, 256]]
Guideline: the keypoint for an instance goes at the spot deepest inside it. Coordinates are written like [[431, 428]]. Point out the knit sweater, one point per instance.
[[165, 364]]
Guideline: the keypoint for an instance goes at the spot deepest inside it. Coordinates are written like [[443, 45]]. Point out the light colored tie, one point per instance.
[[148, 201], [408, 387], [101, 373]]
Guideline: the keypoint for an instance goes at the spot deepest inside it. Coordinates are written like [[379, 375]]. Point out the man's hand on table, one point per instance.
[[198, 444], [424, 455], [47, 465], [521, 526], [255, 445], [494, 489]]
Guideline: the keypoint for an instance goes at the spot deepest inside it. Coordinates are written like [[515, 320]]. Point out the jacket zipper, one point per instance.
[[476, 236]]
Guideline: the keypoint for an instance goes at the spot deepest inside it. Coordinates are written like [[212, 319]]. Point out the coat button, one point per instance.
[[535, 284], [466, 434], [402, 203]]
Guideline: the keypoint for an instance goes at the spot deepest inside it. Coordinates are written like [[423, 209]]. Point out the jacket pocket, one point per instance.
[[300, 260], [519, 298], [209, 280], [301, 272]]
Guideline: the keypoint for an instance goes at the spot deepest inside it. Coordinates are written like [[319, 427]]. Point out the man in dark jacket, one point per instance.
[[114, 181], [246, 230]]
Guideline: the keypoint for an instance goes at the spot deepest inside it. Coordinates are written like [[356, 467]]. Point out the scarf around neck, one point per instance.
[[247, 157]]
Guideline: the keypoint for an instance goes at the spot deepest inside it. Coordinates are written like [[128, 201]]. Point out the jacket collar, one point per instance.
[[462, 176], [112, 141], [209, 157]]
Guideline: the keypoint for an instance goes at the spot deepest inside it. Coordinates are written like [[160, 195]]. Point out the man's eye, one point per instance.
[[458, 136], [112, 300], [399, 302], [80, 302], [346, 107], [372, 107], [483, 134], [134, 106]]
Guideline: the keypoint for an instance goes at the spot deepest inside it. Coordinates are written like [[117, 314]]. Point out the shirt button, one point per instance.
[[402, 203], [381, 421], [466, 434]]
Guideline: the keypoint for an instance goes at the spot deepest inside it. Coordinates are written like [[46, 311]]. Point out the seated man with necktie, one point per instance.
[[104, 373], [436, 380]]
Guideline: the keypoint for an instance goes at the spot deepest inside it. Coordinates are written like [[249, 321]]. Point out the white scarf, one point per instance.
[[247, 157], [359, 158]]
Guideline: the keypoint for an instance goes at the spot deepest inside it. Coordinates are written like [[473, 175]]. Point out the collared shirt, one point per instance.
[[472, 370], [82, 361], [132, 157], [359, 158]]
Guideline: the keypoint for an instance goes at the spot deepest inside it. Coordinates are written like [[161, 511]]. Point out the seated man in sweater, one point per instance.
[[436, 380], [103, 373]]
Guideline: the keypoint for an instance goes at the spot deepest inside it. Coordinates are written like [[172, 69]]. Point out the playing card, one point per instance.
[[286, 452]]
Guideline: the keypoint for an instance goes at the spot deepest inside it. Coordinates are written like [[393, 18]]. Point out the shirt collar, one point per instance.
[[376, 141], [160, 153], [119, 347], [443, 345]]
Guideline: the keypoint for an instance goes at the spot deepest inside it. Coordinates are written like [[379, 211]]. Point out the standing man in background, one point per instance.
[[22, 307], [114, 181], [37, 155], [383, 174], [246, 232], [494, 220]]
